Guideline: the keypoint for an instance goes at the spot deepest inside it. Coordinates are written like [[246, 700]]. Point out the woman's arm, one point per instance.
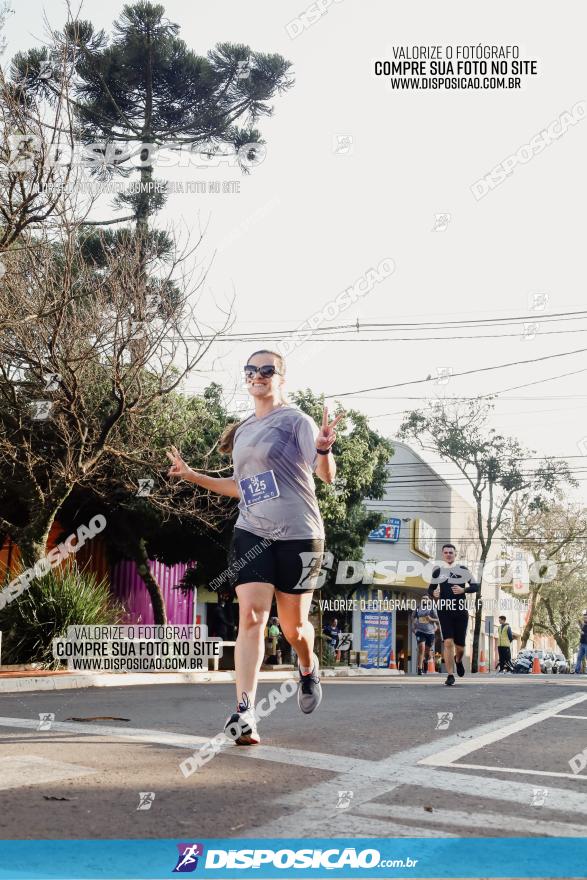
[[219, 485], [326, 467]]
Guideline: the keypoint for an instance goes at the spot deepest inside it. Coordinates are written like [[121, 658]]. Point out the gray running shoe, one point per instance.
[[310, 689]]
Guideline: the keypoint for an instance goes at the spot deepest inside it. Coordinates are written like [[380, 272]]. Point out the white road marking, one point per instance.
[[582, 717], [300, 810], [518, 770], [349, 825], [560, 799], [20, 771], [454, 818], [131, 733], [300, 757], [315, 807], [523, 720]]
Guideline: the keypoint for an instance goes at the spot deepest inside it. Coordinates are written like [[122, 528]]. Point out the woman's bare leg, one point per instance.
[[254, 607], [293, 610]]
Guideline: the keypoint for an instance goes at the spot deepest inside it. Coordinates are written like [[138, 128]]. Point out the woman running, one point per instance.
[[278, 538]]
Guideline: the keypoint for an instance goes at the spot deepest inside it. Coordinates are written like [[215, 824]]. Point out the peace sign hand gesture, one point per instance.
[[178, 466], [327, 434]]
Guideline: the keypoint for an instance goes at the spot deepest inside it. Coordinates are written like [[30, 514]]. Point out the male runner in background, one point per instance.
[[449, 584], [424, 624]]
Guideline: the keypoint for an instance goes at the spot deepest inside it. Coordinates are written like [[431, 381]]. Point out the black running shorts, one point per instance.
[[427, 638], [454, 626], [292, 566]]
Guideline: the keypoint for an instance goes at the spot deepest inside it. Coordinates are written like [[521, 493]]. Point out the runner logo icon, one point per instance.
[[188, 857]]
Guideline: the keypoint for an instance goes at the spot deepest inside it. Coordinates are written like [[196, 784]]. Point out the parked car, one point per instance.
[[561, 664]]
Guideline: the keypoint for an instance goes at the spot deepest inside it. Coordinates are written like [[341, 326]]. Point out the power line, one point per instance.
[[464, 373], [357, 326], [497, 458], [469, 337]]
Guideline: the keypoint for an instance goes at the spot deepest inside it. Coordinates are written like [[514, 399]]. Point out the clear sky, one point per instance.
[[356, 172]]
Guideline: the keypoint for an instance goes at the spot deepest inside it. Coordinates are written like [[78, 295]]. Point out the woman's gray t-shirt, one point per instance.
[[274, 458]]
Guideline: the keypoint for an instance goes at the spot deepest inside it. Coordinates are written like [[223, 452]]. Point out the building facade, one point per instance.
[[420, 512]]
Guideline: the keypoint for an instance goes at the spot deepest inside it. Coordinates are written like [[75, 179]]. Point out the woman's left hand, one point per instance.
[[327, 434]]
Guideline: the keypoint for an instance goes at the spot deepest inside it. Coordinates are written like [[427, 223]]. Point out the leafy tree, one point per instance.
[[177, 522], [560, 611], [82, 387], [144, 88], [497, 468], [552, 533]]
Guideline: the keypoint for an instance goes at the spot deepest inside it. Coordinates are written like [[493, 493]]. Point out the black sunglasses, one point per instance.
[[266, 371]]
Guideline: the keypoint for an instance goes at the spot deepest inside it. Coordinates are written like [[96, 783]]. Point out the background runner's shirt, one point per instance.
[[284, 441], [424, 619], [445, 577]]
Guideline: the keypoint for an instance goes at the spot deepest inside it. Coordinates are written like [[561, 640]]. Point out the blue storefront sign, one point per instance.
[[387, 532], [377, 637]]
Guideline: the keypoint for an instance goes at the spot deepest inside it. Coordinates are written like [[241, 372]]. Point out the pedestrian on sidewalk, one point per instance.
[[425, 623], [582, 645], [333, 631], [273, 633], [504, 640], [224, 625], [278, 542], [448, 586]]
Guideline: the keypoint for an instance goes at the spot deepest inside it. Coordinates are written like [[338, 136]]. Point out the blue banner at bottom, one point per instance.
[[224, 859]]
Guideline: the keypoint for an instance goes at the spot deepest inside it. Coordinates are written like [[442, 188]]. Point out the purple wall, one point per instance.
[[129, 588]]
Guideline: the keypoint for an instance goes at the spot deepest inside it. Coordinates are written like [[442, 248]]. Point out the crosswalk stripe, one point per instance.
[[456, 819], [519, 770], [351, 825], [300, 757], [578, 717], [448, 756], [18, 771], [561, 799]]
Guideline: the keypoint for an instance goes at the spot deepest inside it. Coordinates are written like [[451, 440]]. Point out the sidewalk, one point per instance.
[[19, 680]]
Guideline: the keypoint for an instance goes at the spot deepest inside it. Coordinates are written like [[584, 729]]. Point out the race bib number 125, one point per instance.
[[261, 487]]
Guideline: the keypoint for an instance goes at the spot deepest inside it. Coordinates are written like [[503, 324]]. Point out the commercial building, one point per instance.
[[420, 512]]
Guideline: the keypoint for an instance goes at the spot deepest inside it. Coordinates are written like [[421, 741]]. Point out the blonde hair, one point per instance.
[[226, 442]]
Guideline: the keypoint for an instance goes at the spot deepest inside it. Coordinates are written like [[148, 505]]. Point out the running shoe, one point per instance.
[[460, 668], [419, 670], [310, 689], [450, 679], [242, 724]]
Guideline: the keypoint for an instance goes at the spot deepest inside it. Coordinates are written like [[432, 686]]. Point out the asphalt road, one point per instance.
[[381, 757]]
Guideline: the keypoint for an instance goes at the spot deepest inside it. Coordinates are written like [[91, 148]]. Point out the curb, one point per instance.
[[64, 681]]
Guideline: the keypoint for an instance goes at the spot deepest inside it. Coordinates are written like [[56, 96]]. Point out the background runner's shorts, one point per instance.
[[292, 566], [428, 638], [454, 626]]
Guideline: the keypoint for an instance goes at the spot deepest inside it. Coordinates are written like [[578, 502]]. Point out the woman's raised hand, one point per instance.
[[178, 467], [327, 434]]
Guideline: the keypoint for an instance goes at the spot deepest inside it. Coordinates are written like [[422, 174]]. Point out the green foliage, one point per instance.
[[179, 521], [559, 611], [361, 458], [496, 467], [144, 85], [63, 597]]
